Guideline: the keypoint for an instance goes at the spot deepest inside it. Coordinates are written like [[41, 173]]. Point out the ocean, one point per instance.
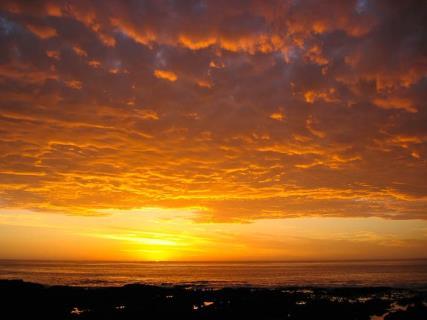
[[398, 274]]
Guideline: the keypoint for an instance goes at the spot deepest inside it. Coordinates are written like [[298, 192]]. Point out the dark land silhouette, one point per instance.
[[24, 300]]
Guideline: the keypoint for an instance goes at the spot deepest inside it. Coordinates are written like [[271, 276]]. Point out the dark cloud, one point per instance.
[[243, 109]]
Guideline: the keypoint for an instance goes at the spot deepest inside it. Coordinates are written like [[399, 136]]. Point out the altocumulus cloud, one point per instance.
[[242, 109]]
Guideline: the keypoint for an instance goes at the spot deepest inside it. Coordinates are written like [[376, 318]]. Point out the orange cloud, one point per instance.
[[74, 84], [309, 96], [395, 103], [43, 32], [165, 74], [147, 114], [328, 95], [196, 44], [54, 54], [79, 51], [279, 116], [204, 84], [84, 128], [94, 63]]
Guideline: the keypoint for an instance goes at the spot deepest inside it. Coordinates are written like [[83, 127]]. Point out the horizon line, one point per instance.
[[216, 261]]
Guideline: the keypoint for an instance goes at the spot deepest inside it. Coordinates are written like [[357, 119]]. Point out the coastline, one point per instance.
[[134, 301]]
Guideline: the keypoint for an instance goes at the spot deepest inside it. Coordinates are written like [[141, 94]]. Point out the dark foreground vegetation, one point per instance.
[[23, 300]]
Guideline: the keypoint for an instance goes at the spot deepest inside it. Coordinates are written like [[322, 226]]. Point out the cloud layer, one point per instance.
[[241, 110]]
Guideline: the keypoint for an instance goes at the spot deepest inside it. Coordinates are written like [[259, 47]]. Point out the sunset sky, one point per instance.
[[213, 130]]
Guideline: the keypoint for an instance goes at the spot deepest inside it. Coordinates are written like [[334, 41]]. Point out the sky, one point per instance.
[[213, 130]]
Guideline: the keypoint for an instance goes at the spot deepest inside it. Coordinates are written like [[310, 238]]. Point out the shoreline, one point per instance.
[[216, 285], [134, 301]]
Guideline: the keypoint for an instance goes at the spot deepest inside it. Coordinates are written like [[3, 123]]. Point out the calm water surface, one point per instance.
[[405, 274]]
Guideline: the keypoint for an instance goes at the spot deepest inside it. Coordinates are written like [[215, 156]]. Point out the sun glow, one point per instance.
[[156, 234]]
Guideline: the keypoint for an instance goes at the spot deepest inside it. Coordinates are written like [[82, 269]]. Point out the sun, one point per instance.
[[156, 254]]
